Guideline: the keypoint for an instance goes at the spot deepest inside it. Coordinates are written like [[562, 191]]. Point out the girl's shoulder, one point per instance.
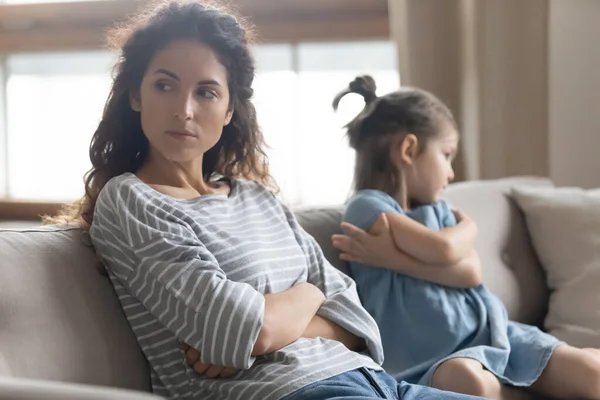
[[440, 206], [363, 209], [373, 197], [440, 211]]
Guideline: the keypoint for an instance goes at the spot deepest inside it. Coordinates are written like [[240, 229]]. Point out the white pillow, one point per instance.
[[564, 224]]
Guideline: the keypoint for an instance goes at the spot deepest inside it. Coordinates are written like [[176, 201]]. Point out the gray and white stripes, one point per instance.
[[196, 271]]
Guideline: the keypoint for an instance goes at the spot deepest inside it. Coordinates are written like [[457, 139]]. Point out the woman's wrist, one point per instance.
[[310, 294], [324, 328]]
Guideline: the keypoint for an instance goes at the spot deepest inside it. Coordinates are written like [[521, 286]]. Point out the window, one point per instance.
[[309, 154], [325, 159], [54, 102], [53, 105]]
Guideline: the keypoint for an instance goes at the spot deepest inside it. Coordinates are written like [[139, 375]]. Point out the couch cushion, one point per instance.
[[4, 369], [322, 223], [563, 223], [510, 267], [30, 389], [59, 318]]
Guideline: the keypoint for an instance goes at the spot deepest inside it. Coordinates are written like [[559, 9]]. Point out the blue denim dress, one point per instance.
[[423, 324]]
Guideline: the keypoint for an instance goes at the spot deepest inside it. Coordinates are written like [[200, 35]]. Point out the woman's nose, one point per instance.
[[185, 108]]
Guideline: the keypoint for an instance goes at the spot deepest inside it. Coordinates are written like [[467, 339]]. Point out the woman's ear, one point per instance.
[[409, 147], [134, 101], [228, 117]]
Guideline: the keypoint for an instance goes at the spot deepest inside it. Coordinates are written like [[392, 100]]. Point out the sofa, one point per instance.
[[64, 336]]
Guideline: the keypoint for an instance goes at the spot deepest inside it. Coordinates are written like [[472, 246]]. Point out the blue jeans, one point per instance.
[[366, 384]]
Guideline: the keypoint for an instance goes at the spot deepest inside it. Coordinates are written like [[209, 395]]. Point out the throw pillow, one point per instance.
[[564, 225]]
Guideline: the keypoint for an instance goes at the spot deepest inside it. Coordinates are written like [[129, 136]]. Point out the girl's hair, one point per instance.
[[119, 144], [373, 132]]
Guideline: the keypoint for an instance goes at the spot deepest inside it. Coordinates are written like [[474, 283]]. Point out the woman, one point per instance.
[[227, 295]]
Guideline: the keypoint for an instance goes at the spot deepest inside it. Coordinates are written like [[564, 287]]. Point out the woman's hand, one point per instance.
[[192, 357], [322, 327], [376, 247]]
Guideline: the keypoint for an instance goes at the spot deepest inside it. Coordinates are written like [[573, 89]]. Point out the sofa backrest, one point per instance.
[[510, 267], [59, 317]]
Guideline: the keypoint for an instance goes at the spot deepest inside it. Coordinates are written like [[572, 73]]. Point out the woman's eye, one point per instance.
[[163, 87], [206, 93]]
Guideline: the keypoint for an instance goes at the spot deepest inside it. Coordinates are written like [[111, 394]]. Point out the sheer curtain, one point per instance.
[[309, 155], [55, 101]]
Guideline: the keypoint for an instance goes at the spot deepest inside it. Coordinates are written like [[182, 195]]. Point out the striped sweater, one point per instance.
[[196, 271]]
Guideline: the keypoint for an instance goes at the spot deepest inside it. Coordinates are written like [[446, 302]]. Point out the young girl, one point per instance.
[[417, 271]]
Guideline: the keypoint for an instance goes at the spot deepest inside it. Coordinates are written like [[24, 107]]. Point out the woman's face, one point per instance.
[[183, 101]]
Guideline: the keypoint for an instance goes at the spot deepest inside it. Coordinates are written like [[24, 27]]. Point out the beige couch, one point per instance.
[[63, 335]]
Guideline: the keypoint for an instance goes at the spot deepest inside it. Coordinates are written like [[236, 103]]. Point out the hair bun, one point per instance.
[[363, 85]]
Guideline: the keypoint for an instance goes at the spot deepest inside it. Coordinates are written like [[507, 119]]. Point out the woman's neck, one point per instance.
[[158, 170]]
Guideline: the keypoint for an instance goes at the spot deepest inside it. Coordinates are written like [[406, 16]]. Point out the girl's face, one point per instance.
[[430, 171], [183, 101]]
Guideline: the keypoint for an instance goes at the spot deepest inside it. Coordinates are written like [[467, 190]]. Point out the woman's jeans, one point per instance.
[[364, 384]]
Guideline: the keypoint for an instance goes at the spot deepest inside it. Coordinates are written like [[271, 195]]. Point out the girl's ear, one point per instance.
[[408, 149]]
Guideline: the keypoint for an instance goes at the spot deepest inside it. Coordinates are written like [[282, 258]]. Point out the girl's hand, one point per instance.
[[192, 357], [461, 216], [375, 248]]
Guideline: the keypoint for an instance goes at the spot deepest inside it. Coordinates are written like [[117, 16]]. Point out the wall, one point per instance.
[[574, 83]]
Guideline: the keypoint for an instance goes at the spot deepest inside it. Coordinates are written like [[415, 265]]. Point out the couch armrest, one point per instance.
[[30, 389]]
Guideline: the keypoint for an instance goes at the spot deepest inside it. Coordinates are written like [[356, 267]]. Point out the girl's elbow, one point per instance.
[[447, 252]]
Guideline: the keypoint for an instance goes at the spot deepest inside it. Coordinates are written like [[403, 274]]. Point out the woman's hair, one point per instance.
[[119, 144], [374, 131]]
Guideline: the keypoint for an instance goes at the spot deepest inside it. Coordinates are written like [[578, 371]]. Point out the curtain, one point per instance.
[[488, 61]]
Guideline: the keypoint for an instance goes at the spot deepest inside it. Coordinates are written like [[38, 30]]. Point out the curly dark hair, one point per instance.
[[119, 144]]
